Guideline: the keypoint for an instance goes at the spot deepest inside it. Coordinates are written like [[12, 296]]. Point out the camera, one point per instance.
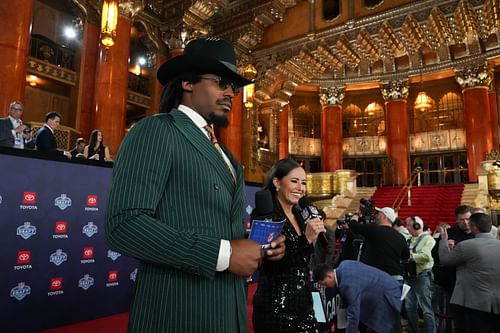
[[367, 210], [347, 218]]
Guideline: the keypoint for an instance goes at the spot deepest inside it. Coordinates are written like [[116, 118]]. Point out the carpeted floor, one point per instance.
[[118, 323]]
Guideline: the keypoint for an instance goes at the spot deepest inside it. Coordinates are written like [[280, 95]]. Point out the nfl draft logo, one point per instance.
[[89, 229], [26, 230], [58, 257], [21, 291], [133, 275], [62, 202], [113, 255], [86, 282]]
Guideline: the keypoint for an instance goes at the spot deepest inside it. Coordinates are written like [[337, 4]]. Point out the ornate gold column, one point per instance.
[[16, 19], [331, 128], [395, 94], [475, 83]]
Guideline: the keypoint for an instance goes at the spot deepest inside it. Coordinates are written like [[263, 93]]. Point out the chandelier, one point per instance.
[[423, 102]]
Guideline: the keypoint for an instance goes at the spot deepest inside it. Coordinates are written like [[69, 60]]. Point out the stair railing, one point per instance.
[[406, 190]]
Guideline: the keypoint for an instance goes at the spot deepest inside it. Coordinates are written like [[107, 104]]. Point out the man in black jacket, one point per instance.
[[45, 138]]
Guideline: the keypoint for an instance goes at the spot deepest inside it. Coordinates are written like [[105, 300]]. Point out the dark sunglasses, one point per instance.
[[223, 83]]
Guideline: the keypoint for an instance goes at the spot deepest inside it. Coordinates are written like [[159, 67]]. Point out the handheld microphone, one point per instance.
[[264, 207], [309, 211]]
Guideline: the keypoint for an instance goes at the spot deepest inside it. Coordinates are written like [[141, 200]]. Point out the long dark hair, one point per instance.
[[172, 94], [279, 170], [93, 141]]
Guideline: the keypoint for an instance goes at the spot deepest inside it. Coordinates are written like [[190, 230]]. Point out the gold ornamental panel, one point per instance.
[[320, 185]]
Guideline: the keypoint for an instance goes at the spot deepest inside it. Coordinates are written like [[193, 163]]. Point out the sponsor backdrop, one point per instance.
[[55, 265]]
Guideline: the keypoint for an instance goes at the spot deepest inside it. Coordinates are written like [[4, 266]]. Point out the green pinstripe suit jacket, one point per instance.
[[172, 200]]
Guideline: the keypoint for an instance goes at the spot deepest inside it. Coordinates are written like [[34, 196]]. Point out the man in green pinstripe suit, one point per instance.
[[176, 202]]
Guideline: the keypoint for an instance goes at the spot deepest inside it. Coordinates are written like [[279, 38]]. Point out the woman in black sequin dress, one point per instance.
[[283, 302]]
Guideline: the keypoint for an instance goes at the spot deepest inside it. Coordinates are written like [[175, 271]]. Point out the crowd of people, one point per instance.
[[175, 204], [16, 134]]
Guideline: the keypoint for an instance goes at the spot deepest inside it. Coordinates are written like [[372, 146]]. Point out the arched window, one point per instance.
[[331, 9], [447, 114], [367, 122]]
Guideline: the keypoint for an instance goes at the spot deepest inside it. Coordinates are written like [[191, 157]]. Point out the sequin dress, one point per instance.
[[283, 302]]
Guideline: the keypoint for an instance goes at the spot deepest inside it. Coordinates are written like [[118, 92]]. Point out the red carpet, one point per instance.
[[433, 203], [118, 323]]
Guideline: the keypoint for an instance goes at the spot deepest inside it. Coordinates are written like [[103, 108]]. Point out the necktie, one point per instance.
[[213, 139]]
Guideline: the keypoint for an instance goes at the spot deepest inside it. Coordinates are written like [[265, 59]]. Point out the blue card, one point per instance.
[[265, 231]]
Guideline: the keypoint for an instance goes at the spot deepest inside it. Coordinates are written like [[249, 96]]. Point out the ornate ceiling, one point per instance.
[[402, 42]]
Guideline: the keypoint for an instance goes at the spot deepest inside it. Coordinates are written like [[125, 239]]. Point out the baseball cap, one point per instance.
[[389, 212]]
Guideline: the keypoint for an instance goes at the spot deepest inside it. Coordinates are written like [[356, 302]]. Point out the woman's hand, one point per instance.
[[314, 227]]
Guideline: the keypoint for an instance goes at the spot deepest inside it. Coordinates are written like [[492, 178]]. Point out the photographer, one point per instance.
[[383, 247]]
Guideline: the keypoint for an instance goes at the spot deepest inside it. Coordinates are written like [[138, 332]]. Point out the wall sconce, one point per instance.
[[248, 94], [249, 72], [32, 80], [109, 21]]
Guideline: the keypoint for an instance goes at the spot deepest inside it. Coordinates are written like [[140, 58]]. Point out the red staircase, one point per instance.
[[433, 203]]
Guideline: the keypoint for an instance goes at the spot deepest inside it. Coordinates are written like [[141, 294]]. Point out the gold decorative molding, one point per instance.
[[332, 95], [474, 76], [138, 99], [39, 67], [395, 90]]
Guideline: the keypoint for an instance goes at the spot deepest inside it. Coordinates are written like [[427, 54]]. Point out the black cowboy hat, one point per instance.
[[204, 55]]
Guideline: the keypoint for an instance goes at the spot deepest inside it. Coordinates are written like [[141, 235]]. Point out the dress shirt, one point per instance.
[[18, 137], [225, 245]]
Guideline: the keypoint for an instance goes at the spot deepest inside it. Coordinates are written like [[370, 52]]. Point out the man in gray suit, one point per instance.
[[176, 202], [477, 291], [13, 133]]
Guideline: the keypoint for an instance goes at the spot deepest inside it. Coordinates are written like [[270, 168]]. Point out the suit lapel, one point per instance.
[[201, 142]]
